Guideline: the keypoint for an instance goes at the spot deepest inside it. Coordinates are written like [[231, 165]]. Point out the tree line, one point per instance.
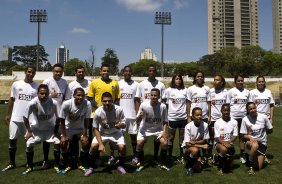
[[249, 60]]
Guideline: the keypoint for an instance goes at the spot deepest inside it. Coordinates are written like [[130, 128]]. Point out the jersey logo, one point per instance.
[[262, 101], [126, 96], [240, 101], [25, 97]]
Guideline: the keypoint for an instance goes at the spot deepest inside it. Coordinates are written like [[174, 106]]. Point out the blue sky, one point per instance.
[[127, 26]]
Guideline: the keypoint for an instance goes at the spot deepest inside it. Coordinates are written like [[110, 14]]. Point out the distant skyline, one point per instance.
[[127, 26]]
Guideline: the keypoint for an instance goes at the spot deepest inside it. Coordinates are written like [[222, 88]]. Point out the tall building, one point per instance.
[[277, 26], [7, 53], [232, 23], [62, 55], [148, 54]]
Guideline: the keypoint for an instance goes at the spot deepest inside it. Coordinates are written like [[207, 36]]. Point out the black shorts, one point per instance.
[[177, 124], [262, 148], [211, 125]]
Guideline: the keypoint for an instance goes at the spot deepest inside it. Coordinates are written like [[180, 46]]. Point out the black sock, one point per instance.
[[93, 157], [66, 157], [221, 161], [133, 143], [12, 155], [169, 151], [242, 152], [163, 155], [121, 160], [140, 156], [190, 162], [84, 158], [29, 159], [156, 149], [46, 148], [57, 157]]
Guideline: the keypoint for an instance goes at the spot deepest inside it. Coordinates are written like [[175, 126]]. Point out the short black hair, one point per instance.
[[195, 109], [195, 74], [32, 67], [104, 65], [57, 65], [44, 86], [157, 90], [152, 65], [237, 76], [79, 67], [248, 104], [78, 89], [106, 94], [225, 105]]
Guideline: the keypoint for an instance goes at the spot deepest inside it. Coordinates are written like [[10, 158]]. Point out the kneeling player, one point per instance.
[[196, 134], [154, 123], [107, 123], [75, 115], [44, 127], [226, 132], [254, 128]]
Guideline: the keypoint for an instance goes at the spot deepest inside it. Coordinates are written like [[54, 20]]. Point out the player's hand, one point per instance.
[[252, 140], [192, 142], [84, 140], [53, 93], [205, 146], [28, 135], [102, 148], [226, 144], [117, 125], [7, 119], [64, 141]]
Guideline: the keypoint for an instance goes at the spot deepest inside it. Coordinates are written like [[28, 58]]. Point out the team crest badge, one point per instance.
[[146, 89], [20, 89]]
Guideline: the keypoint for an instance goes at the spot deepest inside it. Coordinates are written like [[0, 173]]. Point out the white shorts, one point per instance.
[[40, 136], [116, 138], [142, 136], [16, 129], [131, 126]]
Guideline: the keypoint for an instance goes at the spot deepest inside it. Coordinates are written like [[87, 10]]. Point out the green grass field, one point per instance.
[[270, 174]]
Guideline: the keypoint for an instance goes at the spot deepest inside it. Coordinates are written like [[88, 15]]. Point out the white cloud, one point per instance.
[[142, 5], [179, 3], [79, 30]]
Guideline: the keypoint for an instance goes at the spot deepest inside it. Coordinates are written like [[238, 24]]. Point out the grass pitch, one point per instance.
[[270, 174]]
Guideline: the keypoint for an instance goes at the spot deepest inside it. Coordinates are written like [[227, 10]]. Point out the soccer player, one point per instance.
[[44, 127], [154, 123], [176, 98], [238, 97], [75, 115], [59, 91], [225, 134], [130, 105], [196, 135], [21, 93], [107, 123], [144, 93], [100, 86], [218, 95], [254, 128], [264, 101]]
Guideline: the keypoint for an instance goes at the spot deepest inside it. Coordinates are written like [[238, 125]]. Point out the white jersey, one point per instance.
[[153, 117], [44, 113], [225, 130], [199, 97], [75, 115], [108, 119], [176, 100], [218, 98], [127, 93], [74, 84], [237, 100], [22, 92], [194, 133], [263, 100], [256, 128], [60, 87], [145, 87]]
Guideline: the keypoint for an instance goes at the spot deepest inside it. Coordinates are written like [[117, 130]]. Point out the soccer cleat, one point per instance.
[[67, 169], [82, 168], [8, 167], [220, 172], [57, 170], [111, 160], [251, 171], [27, 171], [134, 161], [139, 168], [243, 159], [121, 170], [266, 160], [164, 167], [181, 160], [210, 161], [156, 163], [189, 172], [89, 171], [45, 165], [215, 159]]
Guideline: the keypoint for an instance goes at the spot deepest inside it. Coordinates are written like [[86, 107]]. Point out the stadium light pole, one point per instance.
[[163, 18], [38, 16]]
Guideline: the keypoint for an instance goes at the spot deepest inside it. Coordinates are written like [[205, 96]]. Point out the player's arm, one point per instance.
[[121, 122], [139, 115], [209, 112], [165, 124], [99, 140], [28, 133], [137, 104], [64, 138], [271, 113], [188, 107], [94, 104], [9, 110]]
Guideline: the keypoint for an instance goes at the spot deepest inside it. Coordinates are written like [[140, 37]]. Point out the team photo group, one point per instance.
[[80, 117]]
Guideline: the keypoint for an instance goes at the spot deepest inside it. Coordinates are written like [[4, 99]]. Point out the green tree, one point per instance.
[[112, 60], [27, 55], [140, 68], [71, 65], [5, 65], [14, 68], [47, 67], [211, 64]]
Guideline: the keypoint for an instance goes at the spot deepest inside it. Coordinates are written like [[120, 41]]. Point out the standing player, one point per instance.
[[144, 93], [21, 93], [263, 99], [176, 98], [154, 123], [129, 104], [255, 127], [238, 97], [100, 86], [107, 123], [59, 91], [75, 115], [44, 127], [196, 135], [225, 134], [218, 95]]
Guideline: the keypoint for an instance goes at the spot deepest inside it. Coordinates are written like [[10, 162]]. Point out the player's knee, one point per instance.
[[29, 149]]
